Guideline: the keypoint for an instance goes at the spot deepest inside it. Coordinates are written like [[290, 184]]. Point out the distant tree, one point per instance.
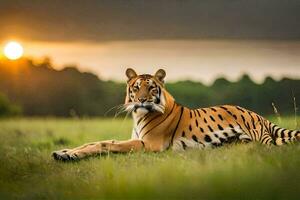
[[220, 82], [7, 108], [41, 90]]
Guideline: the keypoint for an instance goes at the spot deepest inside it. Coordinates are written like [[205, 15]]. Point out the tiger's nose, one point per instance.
[[142, 99]]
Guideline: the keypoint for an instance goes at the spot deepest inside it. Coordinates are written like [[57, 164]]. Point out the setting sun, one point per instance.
[[13, 50]]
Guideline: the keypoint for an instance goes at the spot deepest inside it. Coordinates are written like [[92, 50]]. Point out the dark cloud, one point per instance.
[[57, 20]]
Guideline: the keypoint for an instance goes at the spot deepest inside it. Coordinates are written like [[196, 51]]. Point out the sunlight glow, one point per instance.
[[13, 50]]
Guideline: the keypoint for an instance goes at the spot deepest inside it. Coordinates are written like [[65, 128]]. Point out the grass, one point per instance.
[[249, 171]]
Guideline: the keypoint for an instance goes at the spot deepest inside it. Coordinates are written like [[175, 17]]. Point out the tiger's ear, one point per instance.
[[130, 73], [160, 75]]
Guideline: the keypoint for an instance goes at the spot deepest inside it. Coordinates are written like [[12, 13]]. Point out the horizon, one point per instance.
[[197, 60]]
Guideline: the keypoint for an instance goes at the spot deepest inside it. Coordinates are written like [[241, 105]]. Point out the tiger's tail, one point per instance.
[[282, 135]]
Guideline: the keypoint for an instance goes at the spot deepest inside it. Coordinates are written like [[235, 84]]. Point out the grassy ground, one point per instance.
[[27, 171]]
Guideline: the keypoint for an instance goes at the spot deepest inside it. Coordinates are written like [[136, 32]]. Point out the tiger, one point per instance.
[[160, 123]]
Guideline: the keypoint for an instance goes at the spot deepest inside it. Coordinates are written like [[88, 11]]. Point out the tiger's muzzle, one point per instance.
[[147, 106]]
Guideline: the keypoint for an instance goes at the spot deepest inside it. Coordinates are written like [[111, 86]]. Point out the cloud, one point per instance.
[[55, 20]]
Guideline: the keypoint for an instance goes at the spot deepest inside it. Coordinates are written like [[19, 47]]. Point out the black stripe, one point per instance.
[[211, 130], [159, 92], [230, 113], [201, 143], [222, 140], [252, 120], [204, 110], [239, 126], [247, 125], [251, 135], [262, 125], [181, 112], [194, 137], [220, 116], [198, 113], [205, 120], [196, 122], [158, 123], [264, 138], [270, 128], [183, 145], [148, 123], [276, 131], [194, 113], [143, 118], [243, 118], [256, 135], [247, 139], [273, 128], [157, 100], [191, 114], [211, 117], [139, 120], [282, 132], [283, 140], [213, 109], [128, 92], [183, 134], [216, 144], [201, 129], [290, 133], [234, 131], [270, 140], [207, 138], [143, 143], [220, 127], [223, 107], [240, 109]]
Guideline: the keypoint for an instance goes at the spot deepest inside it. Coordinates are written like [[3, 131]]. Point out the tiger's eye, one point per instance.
[[155, 91], [135, 89]]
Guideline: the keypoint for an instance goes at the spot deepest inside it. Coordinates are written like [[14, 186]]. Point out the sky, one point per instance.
[[198, 40]]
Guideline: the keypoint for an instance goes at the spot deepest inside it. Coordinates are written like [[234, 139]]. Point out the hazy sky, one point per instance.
[[202, 60], [197, 40], [98, 20]]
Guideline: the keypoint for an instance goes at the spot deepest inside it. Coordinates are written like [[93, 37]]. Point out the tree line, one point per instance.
[[37, 89]]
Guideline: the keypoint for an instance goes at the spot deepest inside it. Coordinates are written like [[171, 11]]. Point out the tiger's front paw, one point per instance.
[[64, 155]]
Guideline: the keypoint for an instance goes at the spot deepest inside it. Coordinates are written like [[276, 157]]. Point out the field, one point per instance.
[[244, 171]]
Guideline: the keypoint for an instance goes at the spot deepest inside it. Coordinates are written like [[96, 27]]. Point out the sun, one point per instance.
[[13, 50]]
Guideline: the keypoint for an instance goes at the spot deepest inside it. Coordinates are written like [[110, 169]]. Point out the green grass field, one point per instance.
[[244, 171]]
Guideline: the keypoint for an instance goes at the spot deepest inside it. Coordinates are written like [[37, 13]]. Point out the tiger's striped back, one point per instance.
[[215, 126]]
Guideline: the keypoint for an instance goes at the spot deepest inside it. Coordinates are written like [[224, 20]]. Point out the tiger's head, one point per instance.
[[145, 92]]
